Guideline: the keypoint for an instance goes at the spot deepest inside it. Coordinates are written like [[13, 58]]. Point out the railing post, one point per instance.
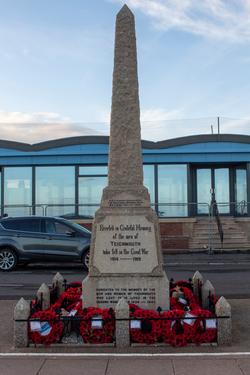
[[207, 289], [224, 326], [21, 312], [58, 282], [196, 280], [122, 326], [44, 292]]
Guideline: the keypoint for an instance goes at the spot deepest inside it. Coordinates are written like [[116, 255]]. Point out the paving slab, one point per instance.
[[244, 365], [207, 366], [74, 366], [7, 324], [140, 366], [20, 366]]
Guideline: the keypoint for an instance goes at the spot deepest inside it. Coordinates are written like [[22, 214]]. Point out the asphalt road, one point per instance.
[[228, 273]]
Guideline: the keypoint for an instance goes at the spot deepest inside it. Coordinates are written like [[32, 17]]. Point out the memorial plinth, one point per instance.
[[125, 254]]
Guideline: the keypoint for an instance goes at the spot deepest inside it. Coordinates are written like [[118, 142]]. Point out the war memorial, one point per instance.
[[126, 254], [126, 279]]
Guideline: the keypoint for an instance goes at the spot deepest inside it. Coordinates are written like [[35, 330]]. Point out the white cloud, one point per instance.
[[220, 19], [38, 127], [159, 114], [235, 126], [18, 117]]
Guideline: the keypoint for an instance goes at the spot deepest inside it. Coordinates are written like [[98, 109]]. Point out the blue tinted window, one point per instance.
[[17, 190], [30, 225], [9, 224], [93, 171], [172, 190], [55, 186]]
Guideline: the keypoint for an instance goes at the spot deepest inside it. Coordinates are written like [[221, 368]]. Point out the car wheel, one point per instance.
[[8, 260], [85, 259]]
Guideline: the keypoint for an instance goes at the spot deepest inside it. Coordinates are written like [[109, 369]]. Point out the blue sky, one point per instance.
[[56, 63]]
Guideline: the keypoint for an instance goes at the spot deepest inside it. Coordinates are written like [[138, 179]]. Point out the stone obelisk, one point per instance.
[[125, 254]]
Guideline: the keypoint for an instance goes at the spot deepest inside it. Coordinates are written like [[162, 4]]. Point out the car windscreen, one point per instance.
[[80, 228]]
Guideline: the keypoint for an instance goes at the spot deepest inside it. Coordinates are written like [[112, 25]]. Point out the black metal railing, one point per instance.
[[219, 224]]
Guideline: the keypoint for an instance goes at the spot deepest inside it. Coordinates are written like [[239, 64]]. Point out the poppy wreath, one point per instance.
[[98, 335], [75, 306], [174, 304], [176, 332], [154, 326], [58, 303], [74, 284], [133, 306], [193, 301], [203, 334], [73, 294], [80, 309], [183, 283], [55, 332]]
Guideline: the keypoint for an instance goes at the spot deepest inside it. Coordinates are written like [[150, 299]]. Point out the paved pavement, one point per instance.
[[139, 360]]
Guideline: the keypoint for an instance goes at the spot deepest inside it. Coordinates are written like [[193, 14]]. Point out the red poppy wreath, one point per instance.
[[48, 330]]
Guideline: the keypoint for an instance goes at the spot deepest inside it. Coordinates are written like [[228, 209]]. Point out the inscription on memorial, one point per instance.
[[131, 295], [126, 247], [125, 202]]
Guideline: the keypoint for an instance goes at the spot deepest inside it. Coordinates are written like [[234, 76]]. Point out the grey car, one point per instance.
[[30, 239]]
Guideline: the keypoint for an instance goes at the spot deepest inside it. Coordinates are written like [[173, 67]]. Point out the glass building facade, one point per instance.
[[75, 191], [184, 176]]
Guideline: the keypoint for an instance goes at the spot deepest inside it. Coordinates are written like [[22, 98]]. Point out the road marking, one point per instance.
[[124, 354], [243, 263], [207, 264], [21, 272], [218, 264], [171, 264], [11, 284], [64, 272]]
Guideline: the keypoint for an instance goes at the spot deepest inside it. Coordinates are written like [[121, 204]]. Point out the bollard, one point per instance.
[[122, 326], [58, 282], [21, 311], [195, 280], [207, 287], [45, 293], [224, 326]]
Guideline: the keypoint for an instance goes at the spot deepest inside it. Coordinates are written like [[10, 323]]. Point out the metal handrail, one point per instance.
[[219, 223]]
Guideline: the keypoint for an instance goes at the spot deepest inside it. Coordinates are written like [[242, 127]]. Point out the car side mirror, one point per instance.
[[70, 233]]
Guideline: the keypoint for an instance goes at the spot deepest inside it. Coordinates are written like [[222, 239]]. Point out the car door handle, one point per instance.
[[49, 238], [17, 235]]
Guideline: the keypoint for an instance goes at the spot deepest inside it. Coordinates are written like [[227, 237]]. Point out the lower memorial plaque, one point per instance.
[[146, 292]]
